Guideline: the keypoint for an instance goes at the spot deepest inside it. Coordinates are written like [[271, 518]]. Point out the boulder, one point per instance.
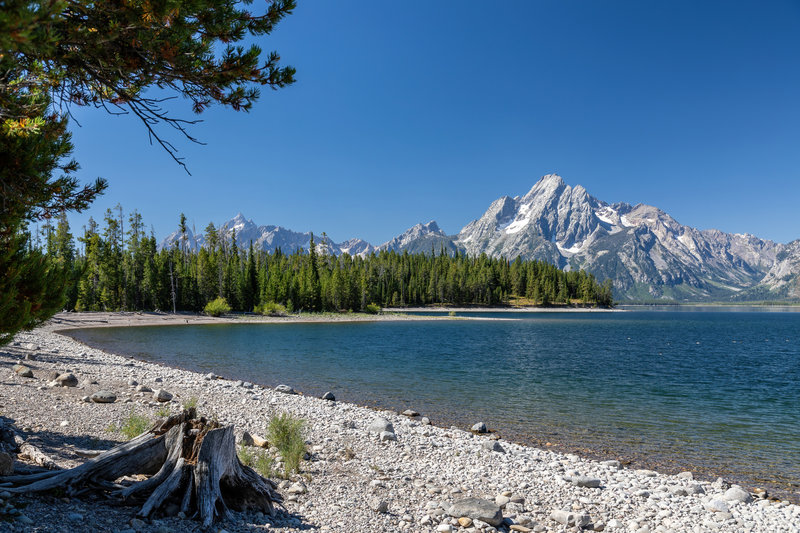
[[162, 396], [570, 519], [716, 506], [66, 380], [143, 388], [387, 436], [297, 488], [737, 494], [492, 446], [286, 389], [103, 396], [586, 481], [477, 509], [379, 506], [248, 439], [22, 371], [329, 396], [380, 425], [480, 427], [410, 412]]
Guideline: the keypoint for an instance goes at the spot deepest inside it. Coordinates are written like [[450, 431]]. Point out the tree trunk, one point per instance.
[[193, 468]]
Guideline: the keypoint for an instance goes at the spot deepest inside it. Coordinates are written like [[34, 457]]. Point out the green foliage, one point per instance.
[[191, 403], [163, 412], [271, 309], [58, 54], [216, 307], [451, 314], [285, 432], [128, 272], [134, 425], [372, 309], [257, 459]]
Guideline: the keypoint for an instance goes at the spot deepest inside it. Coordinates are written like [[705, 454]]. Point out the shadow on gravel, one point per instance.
[[58, 446]]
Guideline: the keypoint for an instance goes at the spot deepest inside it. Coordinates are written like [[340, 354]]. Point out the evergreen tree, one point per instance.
[[104, 54]]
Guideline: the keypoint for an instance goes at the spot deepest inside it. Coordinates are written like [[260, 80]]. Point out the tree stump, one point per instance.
[[193, 468]]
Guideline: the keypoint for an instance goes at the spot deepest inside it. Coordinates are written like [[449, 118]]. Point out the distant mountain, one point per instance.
[[269, 238], [646, 252], [422, 238]]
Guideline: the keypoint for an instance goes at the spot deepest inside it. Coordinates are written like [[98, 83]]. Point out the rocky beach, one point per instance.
[[366, 470]]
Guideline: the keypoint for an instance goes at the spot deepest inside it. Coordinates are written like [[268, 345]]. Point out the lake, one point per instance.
[[715, 390]]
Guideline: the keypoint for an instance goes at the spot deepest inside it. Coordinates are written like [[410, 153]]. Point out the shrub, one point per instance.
[[285, 432], [191, 403], [271, 309], [134, 425], [372, 309], [258, 460], [451, 313], [217, 307]]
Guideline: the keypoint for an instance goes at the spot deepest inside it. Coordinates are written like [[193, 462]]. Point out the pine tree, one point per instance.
[[104, 54]]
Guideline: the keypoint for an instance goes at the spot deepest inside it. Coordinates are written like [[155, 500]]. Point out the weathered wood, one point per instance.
[[192, 466], [36, 456]]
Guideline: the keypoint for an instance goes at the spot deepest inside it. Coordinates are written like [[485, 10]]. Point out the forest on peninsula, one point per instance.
[[118, 266]]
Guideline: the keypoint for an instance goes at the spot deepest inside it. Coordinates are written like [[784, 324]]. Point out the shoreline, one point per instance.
[[426, 464], [100, 319]]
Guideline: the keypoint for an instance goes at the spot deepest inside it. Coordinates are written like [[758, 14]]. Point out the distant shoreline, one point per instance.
[[103, 319]]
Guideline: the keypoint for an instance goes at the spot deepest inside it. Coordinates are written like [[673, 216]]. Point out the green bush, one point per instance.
[[217, 307], [372, 309], [271, 309], [134, 425], [257, 459], [285, 432]]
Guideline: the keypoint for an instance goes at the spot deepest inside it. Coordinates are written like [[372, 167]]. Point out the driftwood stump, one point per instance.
[[193, 468]]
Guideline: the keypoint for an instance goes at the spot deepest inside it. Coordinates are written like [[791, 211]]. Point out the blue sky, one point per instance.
[[407, 112]]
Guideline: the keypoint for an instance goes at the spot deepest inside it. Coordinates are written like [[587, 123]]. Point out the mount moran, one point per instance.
[[646, 252]]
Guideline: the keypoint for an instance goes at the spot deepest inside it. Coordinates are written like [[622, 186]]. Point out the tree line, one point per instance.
[[120, 267]]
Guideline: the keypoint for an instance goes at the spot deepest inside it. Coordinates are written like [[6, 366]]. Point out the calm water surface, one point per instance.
[[715, 391]]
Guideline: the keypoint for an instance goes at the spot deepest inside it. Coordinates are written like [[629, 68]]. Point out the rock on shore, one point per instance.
[[354, 481]]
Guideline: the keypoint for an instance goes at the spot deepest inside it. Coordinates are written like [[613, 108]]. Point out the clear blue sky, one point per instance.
[[405, 112]]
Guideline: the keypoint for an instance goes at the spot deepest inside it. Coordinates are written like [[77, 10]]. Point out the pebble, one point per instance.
[[421, 477]]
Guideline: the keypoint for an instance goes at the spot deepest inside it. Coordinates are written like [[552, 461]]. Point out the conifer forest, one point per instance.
[[118, 266]]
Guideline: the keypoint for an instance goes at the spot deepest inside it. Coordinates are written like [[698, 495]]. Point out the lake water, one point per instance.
[[714, 391]]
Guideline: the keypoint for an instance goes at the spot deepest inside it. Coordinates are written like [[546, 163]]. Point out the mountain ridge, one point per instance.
[[646, 252]]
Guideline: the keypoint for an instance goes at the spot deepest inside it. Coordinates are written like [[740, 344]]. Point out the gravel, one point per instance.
[[354, 480]]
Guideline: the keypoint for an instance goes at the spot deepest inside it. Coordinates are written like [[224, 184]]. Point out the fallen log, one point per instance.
[[193, 468]]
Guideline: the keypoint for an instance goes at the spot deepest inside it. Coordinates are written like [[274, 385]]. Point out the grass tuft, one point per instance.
[[285, 432], [134, 425]]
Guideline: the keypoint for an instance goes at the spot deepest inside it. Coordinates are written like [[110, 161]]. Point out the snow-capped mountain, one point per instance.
[[647, 253], [422, 238], [270, 238]]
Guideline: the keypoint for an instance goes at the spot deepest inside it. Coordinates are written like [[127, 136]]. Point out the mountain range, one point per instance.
[[647, 253]]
